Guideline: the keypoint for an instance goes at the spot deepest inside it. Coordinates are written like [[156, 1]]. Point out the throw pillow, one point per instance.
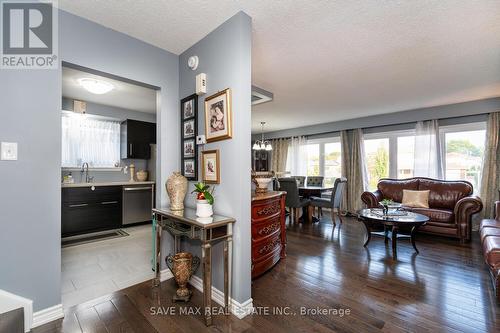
[[416, 199]]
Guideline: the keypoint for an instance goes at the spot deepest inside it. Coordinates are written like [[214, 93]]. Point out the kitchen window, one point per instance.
[[90, 139]]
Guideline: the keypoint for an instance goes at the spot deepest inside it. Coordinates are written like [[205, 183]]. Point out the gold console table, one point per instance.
[[209, 231]]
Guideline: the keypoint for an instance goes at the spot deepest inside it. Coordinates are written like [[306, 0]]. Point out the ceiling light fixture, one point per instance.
[[262, 144], [94, 86]]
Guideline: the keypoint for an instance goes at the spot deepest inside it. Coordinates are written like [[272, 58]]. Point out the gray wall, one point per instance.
[[225, 56], [450, 114], [111, 111], [30, 111]]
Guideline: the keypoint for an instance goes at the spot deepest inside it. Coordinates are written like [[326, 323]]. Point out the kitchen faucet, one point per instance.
[[85, 168]]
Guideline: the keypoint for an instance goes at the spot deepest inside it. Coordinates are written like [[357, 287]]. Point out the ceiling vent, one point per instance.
[[260, 96]]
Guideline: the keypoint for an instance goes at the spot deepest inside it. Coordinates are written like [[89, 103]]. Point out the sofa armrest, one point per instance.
[[497, 210], [371, 199], [464, 209]]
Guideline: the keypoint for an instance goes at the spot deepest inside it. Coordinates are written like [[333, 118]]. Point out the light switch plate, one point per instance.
[[8, 151]]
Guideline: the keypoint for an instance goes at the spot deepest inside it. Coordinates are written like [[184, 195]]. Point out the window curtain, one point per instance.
[[427, 161], [490, 180], [297, 156], [279, 155], [353, 168], [94, 141]]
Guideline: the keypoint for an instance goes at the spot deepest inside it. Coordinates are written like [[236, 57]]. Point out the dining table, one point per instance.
[[312, 191]]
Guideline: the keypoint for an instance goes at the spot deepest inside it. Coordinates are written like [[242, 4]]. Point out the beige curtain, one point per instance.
[[490, 180], [279, 154], [353, 168]]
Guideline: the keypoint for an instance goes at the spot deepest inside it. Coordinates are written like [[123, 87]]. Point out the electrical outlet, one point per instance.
[[8, 151]]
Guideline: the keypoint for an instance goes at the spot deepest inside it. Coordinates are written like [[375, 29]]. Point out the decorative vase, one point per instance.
[[176, 190], [203, 208], [385, 209], [132, 172], [182, 265], [261, 179], [142, 175]]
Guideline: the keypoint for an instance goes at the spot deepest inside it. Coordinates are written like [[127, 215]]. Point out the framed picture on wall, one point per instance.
[[189, 131], [218, 114], [210, 166]]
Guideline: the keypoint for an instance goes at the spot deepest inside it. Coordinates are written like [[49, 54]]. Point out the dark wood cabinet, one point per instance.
[[268, 231], [136, 136], [87, 210]]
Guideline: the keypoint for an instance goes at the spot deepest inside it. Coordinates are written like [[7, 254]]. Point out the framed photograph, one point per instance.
[[210, 166], [189, 148], [189, 131], [218, 125], [189, 168]]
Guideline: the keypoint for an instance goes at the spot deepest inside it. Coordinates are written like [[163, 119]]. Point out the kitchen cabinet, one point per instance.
[[136, 137], [89, 209]]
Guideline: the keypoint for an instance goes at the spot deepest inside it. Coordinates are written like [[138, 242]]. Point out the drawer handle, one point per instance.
[[137, 188], [267, 248], [80, 205], [268, 229], [109, 202], [269, 210]]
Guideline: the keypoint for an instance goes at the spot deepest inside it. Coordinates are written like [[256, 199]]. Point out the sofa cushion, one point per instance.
[[437, 215], [489, 231], [393, 189], [491, 250], [417, 199], [489, 223], [444, 194]]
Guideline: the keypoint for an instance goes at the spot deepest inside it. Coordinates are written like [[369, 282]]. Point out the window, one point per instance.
[[463, 152], [332, 158], [406, 154], [89, 139], [377, 160], [313, 160], [324, 159]]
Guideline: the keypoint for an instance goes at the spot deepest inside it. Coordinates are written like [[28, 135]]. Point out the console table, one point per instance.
[[209, 231]]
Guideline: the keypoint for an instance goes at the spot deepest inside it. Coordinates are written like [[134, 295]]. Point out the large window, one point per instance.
[[377, 160], [91, 140], [313, 157], [332, 158], [463, 152]]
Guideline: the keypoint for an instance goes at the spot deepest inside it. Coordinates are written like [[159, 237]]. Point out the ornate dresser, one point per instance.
[[268, 230]]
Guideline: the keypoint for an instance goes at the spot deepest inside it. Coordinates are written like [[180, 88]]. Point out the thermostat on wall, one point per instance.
[[201, 84], [8, 151], [200, 140]]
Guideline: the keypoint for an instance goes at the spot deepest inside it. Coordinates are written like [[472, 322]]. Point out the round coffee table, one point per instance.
[[400, 226]]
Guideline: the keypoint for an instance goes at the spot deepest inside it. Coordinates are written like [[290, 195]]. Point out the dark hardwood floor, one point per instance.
[[445, 288]]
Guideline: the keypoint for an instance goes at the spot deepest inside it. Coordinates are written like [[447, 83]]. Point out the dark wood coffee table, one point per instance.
[[404, 226]]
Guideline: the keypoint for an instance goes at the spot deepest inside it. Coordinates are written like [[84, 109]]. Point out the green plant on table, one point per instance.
[[386, 202], [203, 192]]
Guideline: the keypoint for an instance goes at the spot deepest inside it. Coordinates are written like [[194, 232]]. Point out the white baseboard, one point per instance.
[[165, 275], [47, 315], [240, 310]]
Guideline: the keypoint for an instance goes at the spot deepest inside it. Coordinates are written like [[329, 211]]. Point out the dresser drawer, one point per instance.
[[266, 208], [265, 263], [266, 246], [265, 228]]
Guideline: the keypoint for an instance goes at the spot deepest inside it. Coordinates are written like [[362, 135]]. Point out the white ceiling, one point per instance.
[[124, 95], [333, 60]]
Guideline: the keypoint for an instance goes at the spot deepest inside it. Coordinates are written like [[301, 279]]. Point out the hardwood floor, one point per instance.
[[445, 288]]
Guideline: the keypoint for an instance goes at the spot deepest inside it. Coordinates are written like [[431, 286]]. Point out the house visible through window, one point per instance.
[[91, 140]]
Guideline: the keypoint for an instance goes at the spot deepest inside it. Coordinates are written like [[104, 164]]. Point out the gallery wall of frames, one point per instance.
[[218, 126]]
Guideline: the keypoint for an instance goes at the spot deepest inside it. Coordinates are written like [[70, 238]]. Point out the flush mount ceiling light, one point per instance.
[[95, 86]]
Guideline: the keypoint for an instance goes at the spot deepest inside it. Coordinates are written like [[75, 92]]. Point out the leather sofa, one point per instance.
[[451, 203], [489, 231]]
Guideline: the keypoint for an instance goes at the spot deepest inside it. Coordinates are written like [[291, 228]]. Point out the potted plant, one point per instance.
[[385, 204], [204, 199]]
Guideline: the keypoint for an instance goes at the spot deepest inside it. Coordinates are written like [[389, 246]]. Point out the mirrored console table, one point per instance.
[[209, 231]]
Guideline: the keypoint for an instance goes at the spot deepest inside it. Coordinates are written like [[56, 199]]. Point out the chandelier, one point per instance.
[[262, 144]]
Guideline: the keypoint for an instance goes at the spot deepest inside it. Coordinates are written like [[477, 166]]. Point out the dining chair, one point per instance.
[[293, 201], [315, 180], [333, 202], [301, 180]]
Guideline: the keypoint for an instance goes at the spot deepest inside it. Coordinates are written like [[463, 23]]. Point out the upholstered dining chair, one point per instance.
[[301, 180], [333, 202], [315, 180], [293, 201]]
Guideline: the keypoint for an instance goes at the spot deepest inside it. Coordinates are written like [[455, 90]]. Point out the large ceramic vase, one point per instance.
[[176, 189], [182, 265]]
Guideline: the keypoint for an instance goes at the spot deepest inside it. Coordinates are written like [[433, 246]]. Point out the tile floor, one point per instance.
[[96, 269]]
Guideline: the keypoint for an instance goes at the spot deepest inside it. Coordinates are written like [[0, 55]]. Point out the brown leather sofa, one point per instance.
[[489, 231], [451, 203]]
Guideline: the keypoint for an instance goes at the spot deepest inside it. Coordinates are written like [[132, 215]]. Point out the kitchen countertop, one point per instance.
[[123, 183]]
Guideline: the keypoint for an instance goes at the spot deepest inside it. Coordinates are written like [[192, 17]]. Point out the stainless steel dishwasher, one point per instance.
[[138, 201]]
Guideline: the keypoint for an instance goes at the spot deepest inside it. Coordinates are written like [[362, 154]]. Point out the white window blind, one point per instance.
[[85, 139]]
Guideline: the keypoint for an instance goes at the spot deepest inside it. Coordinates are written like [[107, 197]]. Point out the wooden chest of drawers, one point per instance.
[[268, 231]]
